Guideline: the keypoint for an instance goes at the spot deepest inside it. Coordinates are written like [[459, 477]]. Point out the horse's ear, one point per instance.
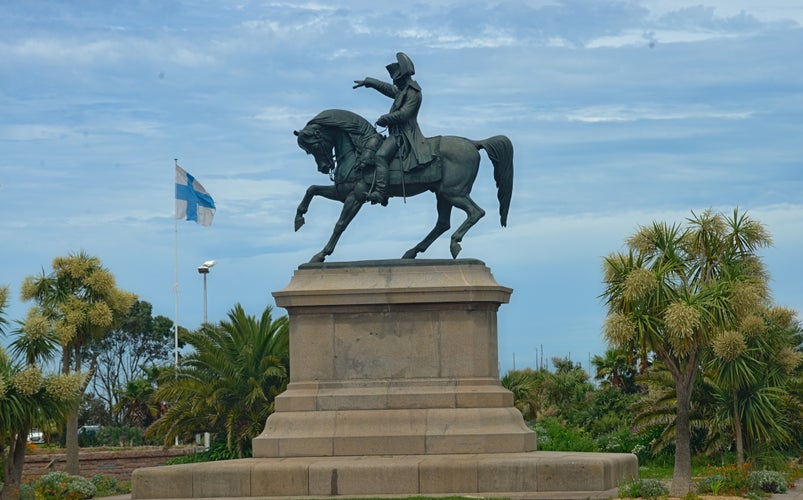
[[295, 132]]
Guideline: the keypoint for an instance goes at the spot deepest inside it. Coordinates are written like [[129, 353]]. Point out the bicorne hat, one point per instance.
[[404, 66]]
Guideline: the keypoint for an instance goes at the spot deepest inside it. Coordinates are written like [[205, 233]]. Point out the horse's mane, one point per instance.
[[355, 125]]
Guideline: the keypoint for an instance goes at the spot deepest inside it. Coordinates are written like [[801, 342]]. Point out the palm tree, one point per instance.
[[752, 369], [527, 388], [136, 404], [228, 383], [567, 388], [3, 305], [616, 370], [28, 397], [80, 300], [657, 408], [674, 291]]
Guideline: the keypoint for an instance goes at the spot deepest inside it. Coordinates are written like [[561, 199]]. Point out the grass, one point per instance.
[[665, 471]]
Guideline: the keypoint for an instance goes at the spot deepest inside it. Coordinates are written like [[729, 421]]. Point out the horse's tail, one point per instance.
[[500, 151]]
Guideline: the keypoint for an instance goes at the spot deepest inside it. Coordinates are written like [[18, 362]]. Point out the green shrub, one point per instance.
[[768, 481], [27, 492], [60, 485], [217, 451], [642, 452], [108, 486], [620, 441], [712, 484], [553, 435], [643, 488], [729, 478], [88, 437]]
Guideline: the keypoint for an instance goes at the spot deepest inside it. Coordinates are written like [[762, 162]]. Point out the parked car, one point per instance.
[[36, 436]]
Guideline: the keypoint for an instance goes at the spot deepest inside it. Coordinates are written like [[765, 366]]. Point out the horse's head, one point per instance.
[[315, 143]]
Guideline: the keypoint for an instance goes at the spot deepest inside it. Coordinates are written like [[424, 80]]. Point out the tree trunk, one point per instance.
[[18, 460], [12, 468], [72, 465], [681, 479], [737, 430], [8, 492]]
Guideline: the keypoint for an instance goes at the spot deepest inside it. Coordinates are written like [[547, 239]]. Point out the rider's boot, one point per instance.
[[379, 192]]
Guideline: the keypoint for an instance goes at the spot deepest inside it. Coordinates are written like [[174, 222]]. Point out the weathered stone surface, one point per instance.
[[533, 474], [386, 356], [174, 481], [395, 391]]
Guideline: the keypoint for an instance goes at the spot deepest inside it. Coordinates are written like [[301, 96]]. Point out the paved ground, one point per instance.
[[794, 494]]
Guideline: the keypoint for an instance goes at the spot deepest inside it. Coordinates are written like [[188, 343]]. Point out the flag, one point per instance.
[[192, 200]]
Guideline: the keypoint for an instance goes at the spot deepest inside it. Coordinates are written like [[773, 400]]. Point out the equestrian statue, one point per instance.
[[367, 166]]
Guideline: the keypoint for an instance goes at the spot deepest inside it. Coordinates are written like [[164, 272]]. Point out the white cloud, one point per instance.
[[766, 10], [624, 113], [283, 116], [632, 38], [64, 50], [37, 132], [608, 134]]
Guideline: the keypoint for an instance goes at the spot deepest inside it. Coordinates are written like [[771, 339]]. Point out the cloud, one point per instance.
[[608, 134], [63, 50], [283, 116], [37, 132], [629, 113]]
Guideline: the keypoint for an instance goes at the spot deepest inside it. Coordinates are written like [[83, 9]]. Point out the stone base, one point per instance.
[[539, 474], [393, 358], [394, 418], [394, 391]]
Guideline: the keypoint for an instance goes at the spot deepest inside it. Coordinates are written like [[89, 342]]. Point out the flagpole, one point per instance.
[[175, 277], [175, 282]]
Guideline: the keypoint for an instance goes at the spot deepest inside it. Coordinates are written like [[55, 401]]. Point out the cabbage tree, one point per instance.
[[675, 290]]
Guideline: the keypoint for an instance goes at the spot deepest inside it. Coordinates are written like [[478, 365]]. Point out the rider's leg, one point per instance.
[[384, 155]]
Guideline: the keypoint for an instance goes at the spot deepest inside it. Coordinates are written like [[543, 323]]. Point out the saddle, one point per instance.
[[421, 174]]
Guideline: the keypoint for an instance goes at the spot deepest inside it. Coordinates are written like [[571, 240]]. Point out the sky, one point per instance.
[[621, 113]]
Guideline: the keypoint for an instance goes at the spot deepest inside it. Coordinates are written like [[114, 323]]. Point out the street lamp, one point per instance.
[[204, 269]]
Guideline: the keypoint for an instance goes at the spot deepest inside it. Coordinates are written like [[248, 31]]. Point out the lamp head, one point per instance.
[[204, 268]]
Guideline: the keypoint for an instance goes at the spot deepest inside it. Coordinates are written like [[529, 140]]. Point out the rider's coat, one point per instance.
[[402, 121]]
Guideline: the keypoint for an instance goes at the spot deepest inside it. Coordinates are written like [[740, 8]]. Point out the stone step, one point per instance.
[[539, 474]]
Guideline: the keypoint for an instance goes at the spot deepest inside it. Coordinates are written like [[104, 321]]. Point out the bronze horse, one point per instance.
[[340, 141]]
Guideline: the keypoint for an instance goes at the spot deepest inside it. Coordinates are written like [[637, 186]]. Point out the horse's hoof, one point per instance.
[[317, 258], [409, 254], [299, 222], [455, 249]]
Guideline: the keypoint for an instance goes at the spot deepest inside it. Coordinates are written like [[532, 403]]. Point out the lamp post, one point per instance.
[[204, 270]]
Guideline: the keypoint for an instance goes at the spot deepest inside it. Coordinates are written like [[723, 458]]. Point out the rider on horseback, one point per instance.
[[404, 134]]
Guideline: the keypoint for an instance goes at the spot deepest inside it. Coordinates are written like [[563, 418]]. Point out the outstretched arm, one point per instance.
[[372, 83]]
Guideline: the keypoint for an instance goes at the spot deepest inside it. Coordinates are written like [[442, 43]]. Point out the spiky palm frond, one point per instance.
[[230, 380]]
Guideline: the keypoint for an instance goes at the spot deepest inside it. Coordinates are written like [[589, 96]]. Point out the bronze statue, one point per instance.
[[341, 141], [404, 134]]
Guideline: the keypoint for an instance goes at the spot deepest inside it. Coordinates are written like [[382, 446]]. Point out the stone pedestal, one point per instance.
[[393, 358], [394, 390]]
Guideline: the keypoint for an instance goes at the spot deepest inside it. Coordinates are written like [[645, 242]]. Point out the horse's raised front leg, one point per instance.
[[351, 206], [441, 226], [329, 192], [473, 214]]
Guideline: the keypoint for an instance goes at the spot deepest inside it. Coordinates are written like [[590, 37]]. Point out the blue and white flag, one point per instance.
[[192, 200]]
